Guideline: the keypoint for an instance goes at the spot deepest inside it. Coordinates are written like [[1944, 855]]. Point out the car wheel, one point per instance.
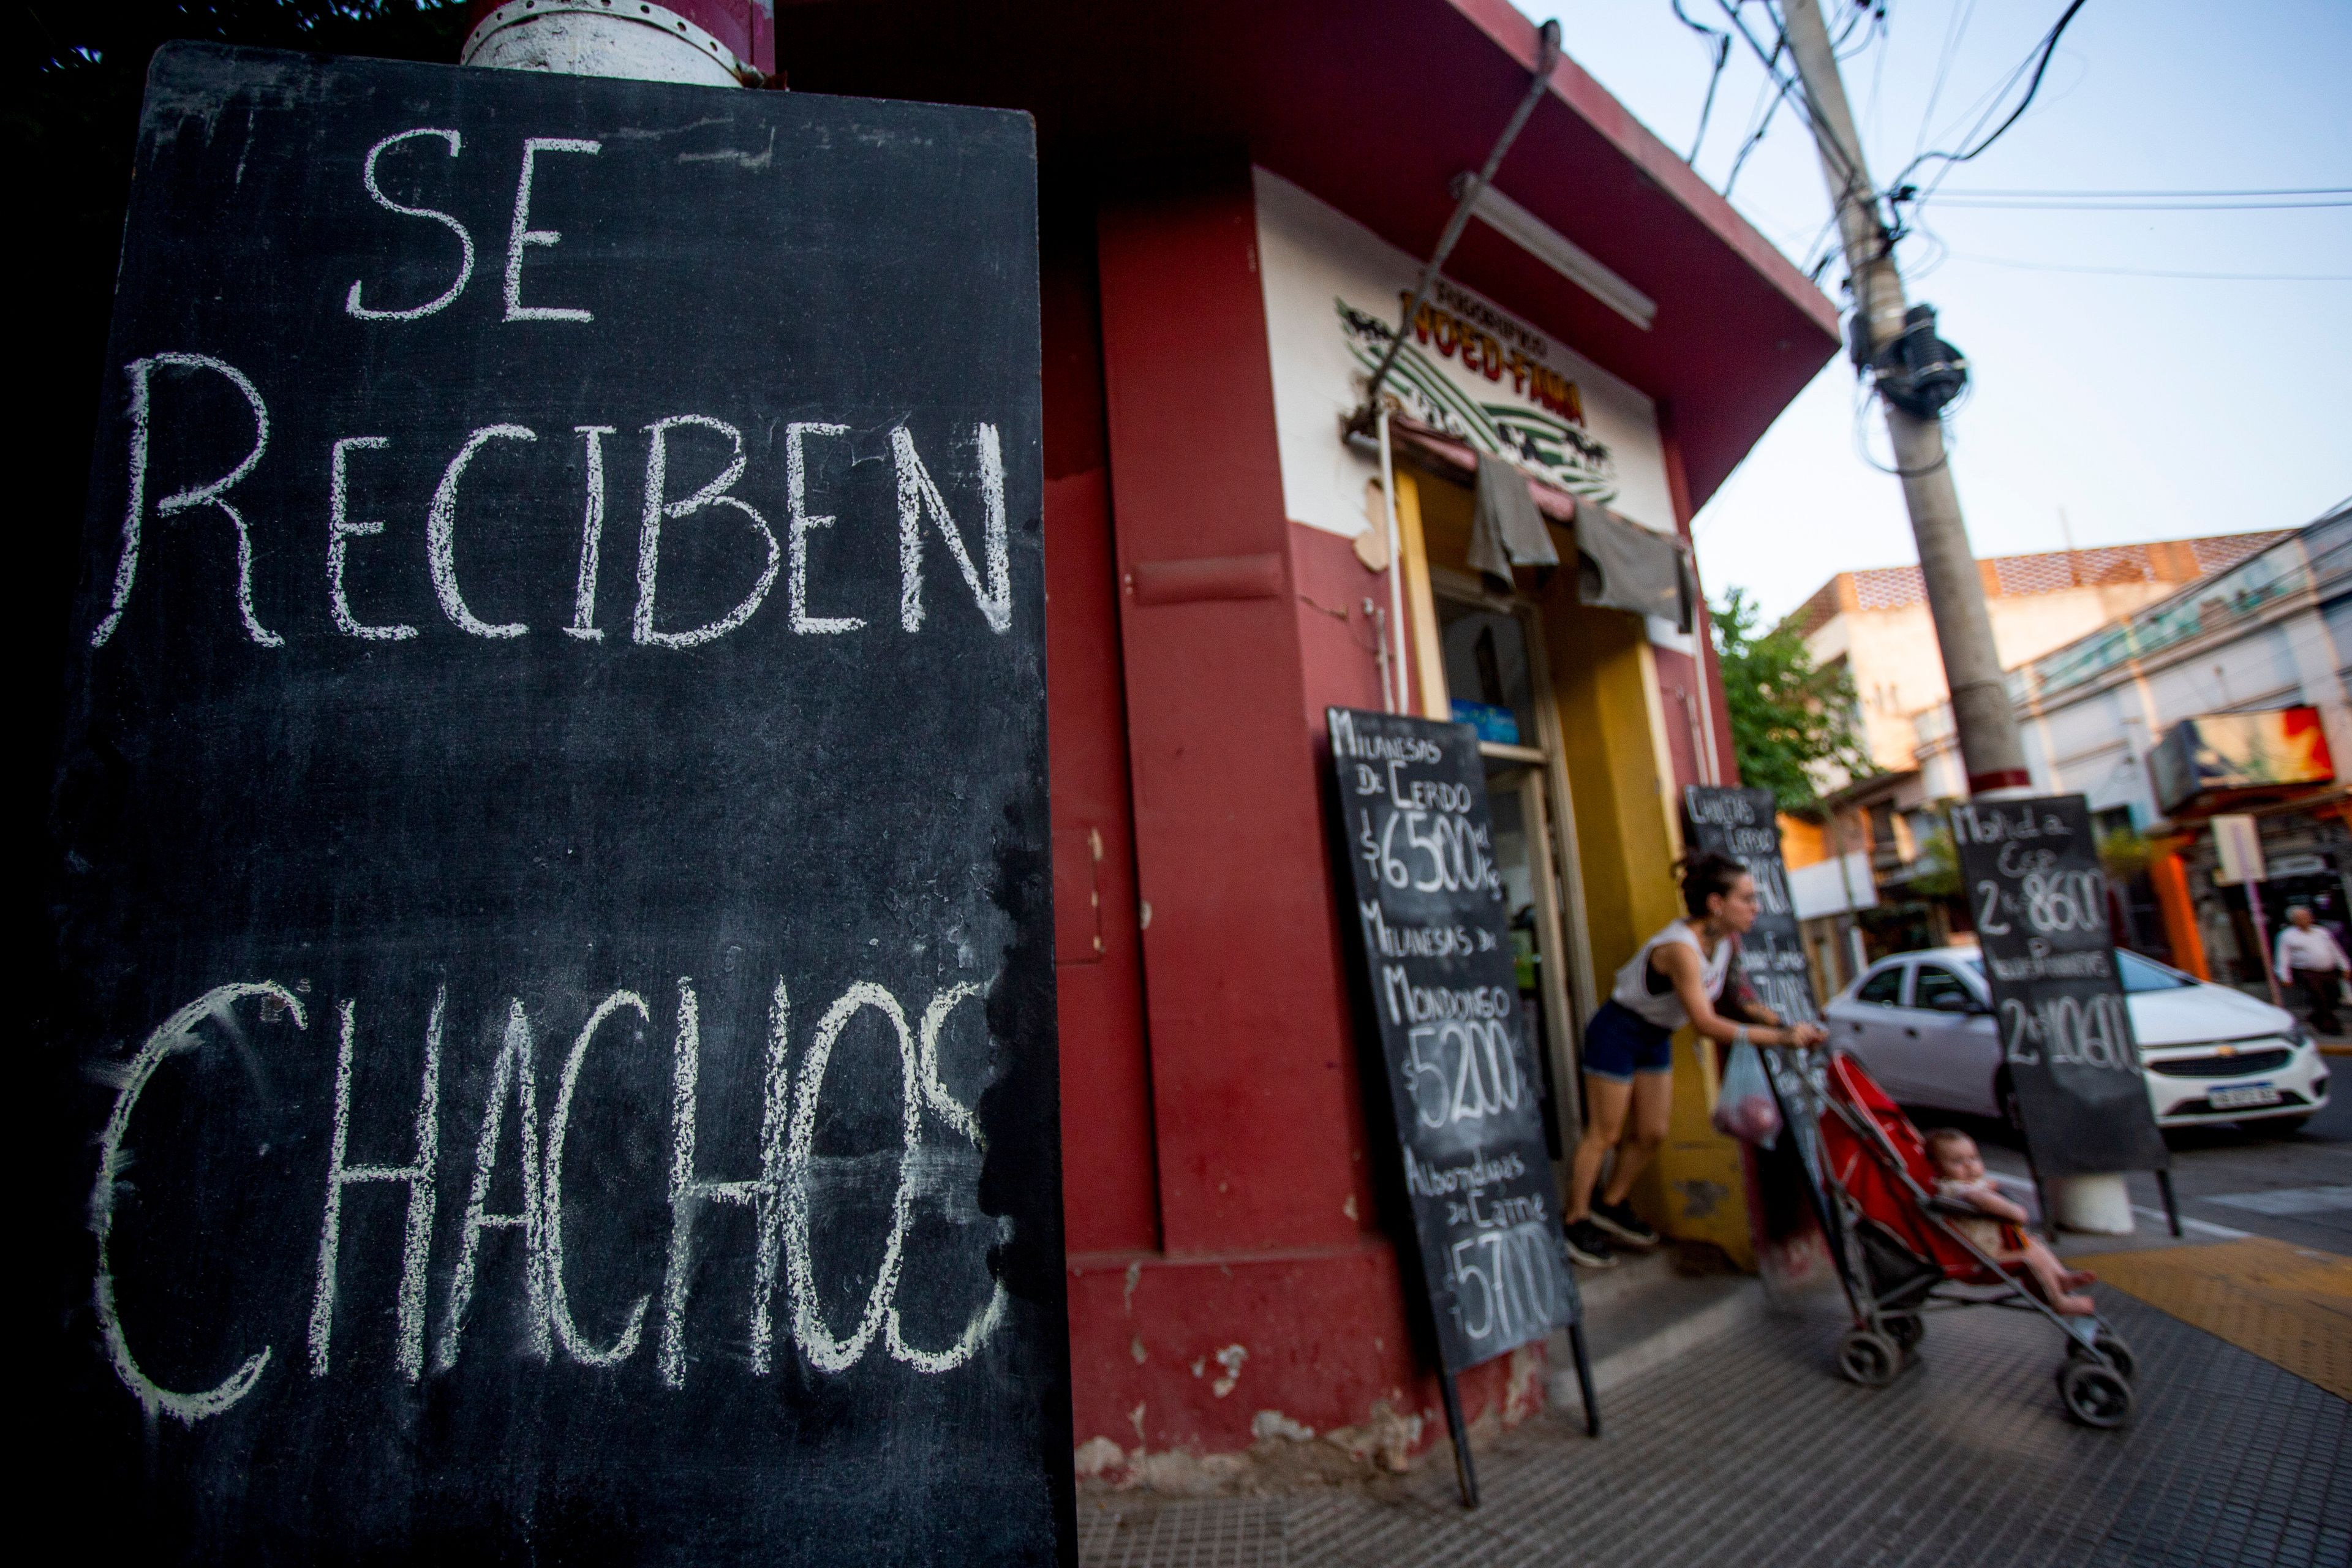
[[2004, 1096]]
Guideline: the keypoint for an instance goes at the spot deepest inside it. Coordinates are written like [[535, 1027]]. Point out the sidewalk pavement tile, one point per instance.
[[1752, 1452], [2290, 1304]]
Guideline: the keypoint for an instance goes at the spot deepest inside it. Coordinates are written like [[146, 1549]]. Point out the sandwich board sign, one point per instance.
[[1461, 1077], [2039, 898], [1745, 824], [554, 951]]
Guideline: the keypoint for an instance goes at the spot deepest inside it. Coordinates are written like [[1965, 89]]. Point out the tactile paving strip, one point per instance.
[[2289, 1305], [1752, 1452]]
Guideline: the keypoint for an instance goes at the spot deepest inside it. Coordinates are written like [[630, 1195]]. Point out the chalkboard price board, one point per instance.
[[554, 946], [1745, 824], [1463, 1081], [2039, 898]]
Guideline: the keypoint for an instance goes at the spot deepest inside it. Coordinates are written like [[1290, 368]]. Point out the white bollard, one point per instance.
[[2098, 1205]]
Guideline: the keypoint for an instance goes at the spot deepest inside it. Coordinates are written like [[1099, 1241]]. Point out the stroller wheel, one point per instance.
[[2094, 1396], [1869, 1359], [2111, 1345], [1906, 1329]]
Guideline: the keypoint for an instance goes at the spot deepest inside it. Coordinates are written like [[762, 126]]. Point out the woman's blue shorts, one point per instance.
[[1620, 1042]]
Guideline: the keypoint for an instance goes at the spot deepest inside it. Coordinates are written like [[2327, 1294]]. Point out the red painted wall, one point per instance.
[[1111, 1189], [1242, 992], [1225, 1257], [1678, 492]]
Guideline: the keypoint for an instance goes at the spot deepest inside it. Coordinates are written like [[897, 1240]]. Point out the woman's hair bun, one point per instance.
[[1706, 873]]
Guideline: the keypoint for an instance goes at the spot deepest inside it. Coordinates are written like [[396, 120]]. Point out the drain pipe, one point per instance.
[[1403, 703], [1375, 415]]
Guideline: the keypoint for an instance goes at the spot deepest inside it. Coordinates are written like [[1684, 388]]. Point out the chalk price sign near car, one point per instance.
[[2040, 900]]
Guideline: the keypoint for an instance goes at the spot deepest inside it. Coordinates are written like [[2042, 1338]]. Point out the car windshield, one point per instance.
[[2141, 975], [2137, 974]]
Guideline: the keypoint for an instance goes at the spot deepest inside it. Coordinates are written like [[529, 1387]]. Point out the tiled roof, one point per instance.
[[2048, 572]]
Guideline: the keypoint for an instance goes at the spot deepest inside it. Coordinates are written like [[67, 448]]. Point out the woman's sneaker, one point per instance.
[[1624, 1226], [1588, 1248]]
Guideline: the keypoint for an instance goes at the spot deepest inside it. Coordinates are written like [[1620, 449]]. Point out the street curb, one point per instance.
[[1742, 1308]]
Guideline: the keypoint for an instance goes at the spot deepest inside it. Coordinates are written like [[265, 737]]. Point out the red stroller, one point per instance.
[[1899, 1256]]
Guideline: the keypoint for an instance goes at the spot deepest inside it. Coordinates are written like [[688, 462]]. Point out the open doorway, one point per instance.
[[1491, 652]]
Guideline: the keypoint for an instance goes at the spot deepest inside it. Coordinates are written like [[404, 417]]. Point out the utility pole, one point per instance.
[[1990, 747], [1991, 750]]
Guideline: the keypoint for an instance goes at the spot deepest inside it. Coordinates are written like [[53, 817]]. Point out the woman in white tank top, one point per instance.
[[1674, 981]]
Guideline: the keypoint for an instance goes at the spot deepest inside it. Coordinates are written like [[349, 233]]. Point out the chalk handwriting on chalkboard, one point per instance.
[[555, 905], [2039, 899], [2036, 895], [1743, 824], [1429, 908], [920, 495], [939, 1139]]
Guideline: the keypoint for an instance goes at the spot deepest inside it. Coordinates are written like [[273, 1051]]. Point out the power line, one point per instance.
[[1998, 205], [2148, 272], [2270, 191], [1953, 33], [1718, 43], [2040, 58]]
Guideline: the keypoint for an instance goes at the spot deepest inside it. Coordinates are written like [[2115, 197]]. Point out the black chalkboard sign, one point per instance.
[[1462, 1077], [1745, 824], [555, 931], [2039, 899]]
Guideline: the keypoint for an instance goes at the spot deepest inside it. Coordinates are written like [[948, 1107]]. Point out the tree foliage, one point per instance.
[[1790, 720]]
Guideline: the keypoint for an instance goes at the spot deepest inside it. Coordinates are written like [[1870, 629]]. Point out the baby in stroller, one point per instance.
[[1960, 1179]]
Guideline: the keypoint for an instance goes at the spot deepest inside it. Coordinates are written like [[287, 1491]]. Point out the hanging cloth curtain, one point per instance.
[[1506, 530], [1627, 567]]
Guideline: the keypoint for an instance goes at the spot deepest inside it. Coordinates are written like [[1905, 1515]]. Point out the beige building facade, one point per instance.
[[1876, 623]]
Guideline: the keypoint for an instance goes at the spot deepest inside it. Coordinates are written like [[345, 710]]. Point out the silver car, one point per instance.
[[1922, 1023]]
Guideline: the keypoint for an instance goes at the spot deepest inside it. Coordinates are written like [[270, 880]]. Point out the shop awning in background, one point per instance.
[[1631, 567]]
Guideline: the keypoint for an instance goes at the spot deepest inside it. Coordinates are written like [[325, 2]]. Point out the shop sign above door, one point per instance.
[[1470, 372]]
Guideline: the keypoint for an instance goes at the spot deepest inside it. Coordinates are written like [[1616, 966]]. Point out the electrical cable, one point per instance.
[[2092, 195], [1866, 393], [2035, 202], [1842, 163], [2040, 59], [1877, 71], [1755, 139], [1718, 43], [1953, 33], [2150, 272]]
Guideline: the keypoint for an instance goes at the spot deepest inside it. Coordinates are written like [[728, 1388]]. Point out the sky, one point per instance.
[[2106, 407]]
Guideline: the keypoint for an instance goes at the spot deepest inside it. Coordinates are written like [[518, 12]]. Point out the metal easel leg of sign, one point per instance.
[[1584, 1378], [2171, 1204], [1464, 1470]]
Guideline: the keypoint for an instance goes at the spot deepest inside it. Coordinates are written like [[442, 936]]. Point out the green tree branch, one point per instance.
[[1790, 720]]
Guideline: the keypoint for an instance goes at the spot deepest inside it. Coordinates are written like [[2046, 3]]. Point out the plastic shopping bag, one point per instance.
[[1746, 1109]]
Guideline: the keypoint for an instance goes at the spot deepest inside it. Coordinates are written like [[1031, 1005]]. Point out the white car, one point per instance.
[[1922, 1023]]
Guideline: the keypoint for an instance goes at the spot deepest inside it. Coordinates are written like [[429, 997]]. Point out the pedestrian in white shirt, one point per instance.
[[2310, 956]]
